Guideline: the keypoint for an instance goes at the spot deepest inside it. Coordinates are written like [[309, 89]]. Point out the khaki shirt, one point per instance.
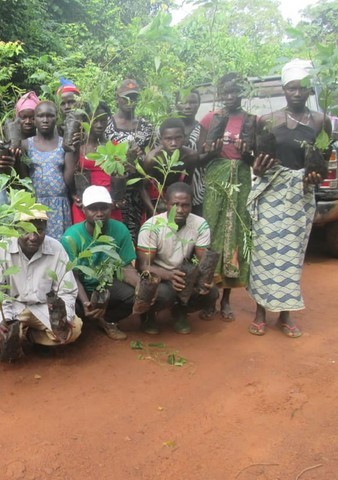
[[28, 287], [172, 248]]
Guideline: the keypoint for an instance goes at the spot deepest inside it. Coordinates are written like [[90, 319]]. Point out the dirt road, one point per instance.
[[242, 407]]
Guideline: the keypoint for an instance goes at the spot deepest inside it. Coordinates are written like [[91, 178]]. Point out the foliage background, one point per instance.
[[97, 43]]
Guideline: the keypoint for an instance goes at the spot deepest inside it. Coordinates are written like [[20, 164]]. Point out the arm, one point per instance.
[[263, 162], [71, 160], [149, 160], [130, 275], [146, 198]]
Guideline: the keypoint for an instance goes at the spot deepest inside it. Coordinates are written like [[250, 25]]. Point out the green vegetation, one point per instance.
[[97, 42]]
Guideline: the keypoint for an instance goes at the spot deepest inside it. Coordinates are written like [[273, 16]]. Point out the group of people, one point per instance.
[[259, 228]]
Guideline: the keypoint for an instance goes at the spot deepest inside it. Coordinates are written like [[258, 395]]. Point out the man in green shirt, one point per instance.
[[97, 206]]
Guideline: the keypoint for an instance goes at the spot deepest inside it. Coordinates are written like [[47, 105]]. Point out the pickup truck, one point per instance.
[[266, 96]]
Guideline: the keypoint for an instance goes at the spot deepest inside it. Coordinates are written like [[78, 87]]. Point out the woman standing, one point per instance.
[[123, 126], [282, 204], [97, 175], [227, 186], [50, 169], [195, 136]]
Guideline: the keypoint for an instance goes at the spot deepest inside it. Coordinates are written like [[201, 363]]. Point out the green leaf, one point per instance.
[[106, 239], [86, 127], [133, 180], [136, 345], [68, 285], [11, 270], [52, 275], [157, 345], [172, 215], [176, 361], [93, 156], [322, 141], [90, 272], [140, 169]]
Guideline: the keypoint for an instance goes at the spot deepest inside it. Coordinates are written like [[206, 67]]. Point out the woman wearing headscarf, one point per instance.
[[24, 110], [282, 203], [227, 186], [67, 92]]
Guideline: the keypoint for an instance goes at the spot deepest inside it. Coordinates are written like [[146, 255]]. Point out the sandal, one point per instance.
[[292, 332], [257, 328]]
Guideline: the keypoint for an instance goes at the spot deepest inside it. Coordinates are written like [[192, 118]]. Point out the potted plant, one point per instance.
[[112, 158], [103, 272]]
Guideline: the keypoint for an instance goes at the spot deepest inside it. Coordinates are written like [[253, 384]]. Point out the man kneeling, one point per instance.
[[163, 252], [28, 313]]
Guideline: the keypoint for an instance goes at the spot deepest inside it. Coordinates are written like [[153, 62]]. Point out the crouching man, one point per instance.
[[27, 312], [97, 206], [163, 252]]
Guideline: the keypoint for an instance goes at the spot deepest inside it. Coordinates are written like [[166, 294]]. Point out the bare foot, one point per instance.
[[227, 313]]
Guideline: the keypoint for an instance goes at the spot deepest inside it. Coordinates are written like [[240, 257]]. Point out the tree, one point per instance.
[[320, 22], [239, 35]]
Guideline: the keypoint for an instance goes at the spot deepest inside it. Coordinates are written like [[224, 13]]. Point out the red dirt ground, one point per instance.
[[243, 407]]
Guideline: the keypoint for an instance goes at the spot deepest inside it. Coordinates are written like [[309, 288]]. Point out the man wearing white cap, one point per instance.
[[282, 203], [97, 205], [27, 312]]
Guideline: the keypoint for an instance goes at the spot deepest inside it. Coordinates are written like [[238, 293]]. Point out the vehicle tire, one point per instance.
[[331, 234]]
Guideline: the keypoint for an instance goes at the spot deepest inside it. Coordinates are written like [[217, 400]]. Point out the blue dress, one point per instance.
[[46, 173]]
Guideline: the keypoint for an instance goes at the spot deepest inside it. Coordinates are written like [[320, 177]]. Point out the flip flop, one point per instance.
[[292, 332], [257, 328]]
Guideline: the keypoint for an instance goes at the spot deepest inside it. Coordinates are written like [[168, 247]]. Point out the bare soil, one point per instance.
[[242, 407]]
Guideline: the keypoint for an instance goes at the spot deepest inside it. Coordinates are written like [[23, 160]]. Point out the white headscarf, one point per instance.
[[297, 69]]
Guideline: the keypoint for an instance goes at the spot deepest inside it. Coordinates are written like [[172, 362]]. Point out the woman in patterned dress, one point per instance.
[[50, 169], [282, 204], [123, 126]]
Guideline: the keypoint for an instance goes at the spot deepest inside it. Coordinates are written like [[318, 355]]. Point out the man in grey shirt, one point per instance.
[[26, 313]]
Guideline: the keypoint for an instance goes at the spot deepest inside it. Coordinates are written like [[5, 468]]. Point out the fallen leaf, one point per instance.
[[169, 443]]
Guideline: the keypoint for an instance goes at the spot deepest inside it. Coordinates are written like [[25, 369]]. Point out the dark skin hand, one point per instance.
[[312, 178], [263, 163], [8, 161], [130, 276]]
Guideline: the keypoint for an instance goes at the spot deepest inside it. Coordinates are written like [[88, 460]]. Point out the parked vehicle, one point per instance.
[[267, 96]]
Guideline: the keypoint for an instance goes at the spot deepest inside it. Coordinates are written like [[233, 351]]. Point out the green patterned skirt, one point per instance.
[[228, 184]]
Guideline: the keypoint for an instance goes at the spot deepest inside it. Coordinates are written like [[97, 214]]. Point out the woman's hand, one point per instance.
[[312, 178], [77, 201], [262, 163]]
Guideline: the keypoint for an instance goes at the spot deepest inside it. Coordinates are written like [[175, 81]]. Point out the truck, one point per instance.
[[266, 95]]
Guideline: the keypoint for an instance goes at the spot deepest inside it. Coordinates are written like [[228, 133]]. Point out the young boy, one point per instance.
[[172, 138]]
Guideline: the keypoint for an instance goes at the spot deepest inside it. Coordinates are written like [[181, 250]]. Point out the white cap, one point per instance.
[[297, 69], [95, 194]]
